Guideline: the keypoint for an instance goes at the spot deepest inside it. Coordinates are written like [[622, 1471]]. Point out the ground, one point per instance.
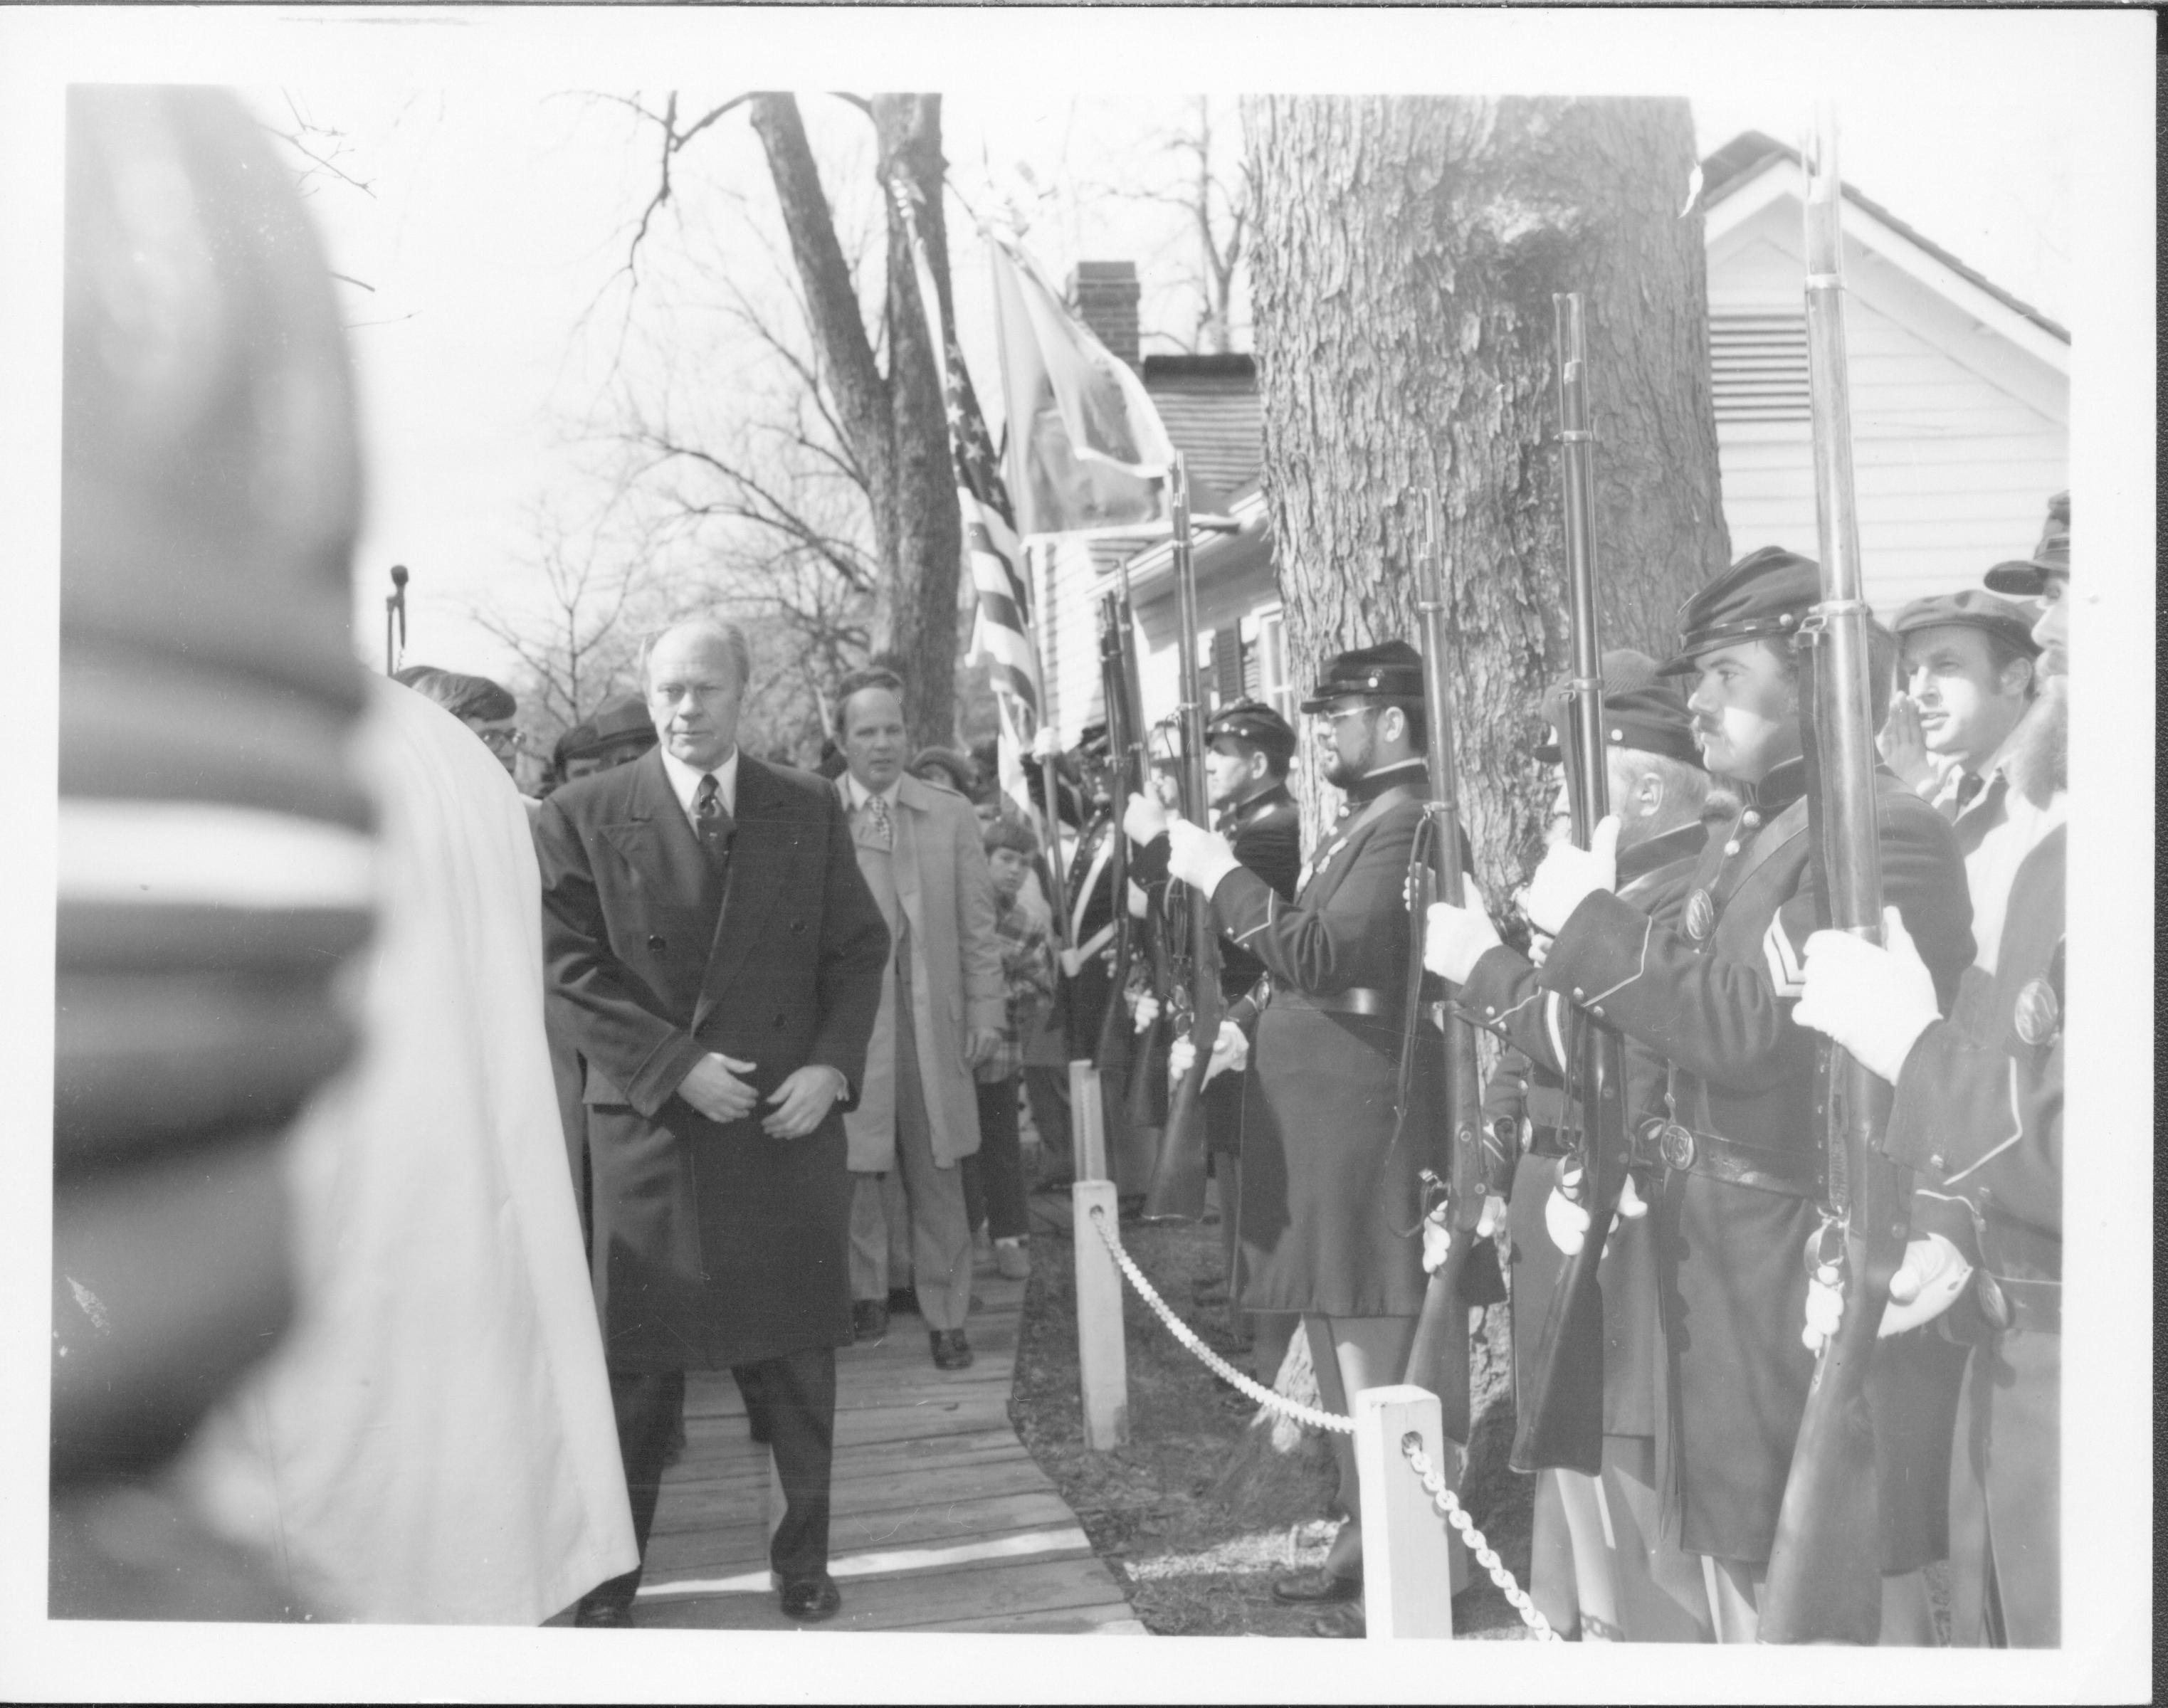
[[1197, 1550]]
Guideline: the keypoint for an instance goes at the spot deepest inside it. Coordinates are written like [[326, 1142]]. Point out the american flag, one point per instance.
[[1002, 634]]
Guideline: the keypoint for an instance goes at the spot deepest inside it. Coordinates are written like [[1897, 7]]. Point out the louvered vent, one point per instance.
[[1758, 365]]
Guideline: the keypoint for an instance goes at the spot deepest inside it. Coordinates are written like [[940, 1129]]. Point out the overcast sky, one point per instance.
[[496, 213]]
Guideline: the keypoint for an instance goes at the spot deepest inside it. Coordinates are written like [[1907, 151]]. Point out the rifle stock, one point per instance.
[[1117, 666], [1177, 1192], [1562, 1423], [1825, 1583]]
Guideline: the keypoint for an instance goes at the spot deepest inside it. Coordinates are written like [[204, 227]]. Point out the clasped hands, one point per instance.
[[802, 1101], [1927, 1283], [1437, 1230], [1197, 856]]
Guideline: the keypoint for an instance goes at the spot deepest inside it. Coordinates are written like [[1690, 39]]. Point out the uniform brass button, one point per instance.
[[1732, 846], [1577, 993], [1936, 1163], [1750, 819], [655, 943], [1598, 1010]]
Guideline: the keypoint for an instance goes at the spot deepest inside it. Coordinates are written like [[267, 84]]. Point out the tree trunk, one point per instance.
[[1405, 254], [896, 423]]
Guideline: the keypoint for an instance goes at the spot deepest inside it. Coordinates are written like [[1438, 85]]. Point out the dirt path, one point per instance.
[[1194, 1564]]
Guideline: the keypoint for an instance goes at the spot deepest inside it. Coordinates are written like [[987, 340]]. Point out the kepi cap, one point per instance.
[[1763, 596], [1641, 710], [1392, 670], [1255, 722], [2029, 576], [1971, 609], [962, 775]]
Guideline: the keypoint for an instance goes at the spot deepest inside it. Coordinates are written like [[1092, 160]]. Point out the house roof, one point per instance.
[[1751, 154], [1209, 407]]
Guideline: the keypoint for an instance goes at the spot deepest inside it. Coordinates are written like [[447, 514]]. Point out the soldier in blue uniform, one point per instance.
[[1979, 1115], [1598, 1558], [1333, 1206], [1713, 994]]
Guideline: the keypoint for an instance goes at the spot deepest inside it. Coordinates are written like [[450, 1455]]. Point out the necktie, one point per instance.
[[713, 822], [877, 816], [1970, 786]]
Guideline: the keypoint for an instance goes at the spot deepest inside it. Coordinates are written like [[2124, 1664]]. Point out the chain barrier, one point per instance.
[[1433, 1484]]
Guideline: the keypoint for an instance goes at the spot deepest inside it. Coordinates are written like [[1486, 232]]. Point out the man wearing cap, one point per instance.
[[619, 733], [1979, 1115], [1332, 1204], [1742, 1145], [1625, 1579], [1248, 748]]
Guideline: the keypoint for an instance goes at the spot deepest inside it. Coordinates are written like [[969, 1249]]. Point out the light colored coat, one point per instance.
[[947, 895]]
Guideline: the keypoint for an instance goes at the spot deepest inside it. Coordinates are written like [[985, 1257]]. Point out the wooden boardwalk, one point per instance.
[[941, 1521]]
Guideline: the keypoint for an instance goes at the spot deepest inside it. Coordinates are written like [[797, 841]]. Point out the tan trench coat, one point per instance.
[[946, 894]]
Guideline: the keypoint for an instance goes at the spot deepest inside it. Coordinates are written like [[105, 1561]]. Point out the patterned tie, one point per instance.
[[713, 822], [883, 827]]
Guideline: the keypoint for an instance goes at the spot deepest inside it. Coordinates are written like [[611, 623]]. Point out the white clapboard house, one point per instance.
[[1960, 416]]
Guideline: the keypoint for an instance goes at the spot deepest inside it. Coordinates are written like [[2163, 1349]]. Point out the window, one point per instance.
[[1758, 366], [1270, 659]]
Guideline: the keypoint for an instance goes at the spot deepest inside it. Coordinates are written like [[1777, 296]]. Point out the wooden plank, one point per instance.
[[926, 1523], [1110, 1618], [997, 1591], [1087, 1122]]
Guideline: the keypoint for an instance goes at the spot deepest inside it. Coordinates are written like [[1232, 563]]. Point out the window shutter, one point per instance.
[[1227, 664]]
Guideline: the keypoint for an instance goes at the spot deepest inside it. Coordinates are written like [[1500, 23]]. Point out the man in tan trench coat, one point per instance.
[[918, 1116]]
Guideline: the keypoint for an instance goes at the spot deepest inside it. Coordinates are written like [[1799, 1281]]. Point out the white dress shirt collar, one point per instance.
[[685, 780], [856, 794]]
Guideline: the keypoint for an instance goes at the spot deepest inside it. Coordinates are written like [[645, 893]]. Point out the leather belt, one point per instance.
[[1357, 999], [1683, 1150]]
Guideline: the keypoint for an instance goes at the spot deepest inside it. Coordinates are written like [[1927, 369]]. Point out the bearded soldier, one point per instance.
[[1742, 1145]]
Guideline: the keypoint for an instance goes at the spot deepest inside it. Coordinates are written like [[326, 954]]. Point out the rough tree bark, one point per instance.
[[1405, 254], [895, 422]]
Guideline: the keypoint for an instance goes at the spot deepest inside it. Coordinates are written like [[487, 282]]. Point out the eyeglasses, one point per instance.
[[501, 741], [1334, 716]]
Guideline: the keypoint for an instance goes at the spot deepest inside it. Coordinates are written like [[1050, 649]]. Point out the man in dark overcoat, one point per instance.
[[1332, 1200], [1713, 994], [717, 959]]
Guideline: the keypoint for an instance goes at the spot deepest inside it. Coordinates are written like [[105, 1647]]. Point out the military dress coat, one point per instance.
[[1502, 994], [1331, 1204], [713, 1244], [1713, 994], [1980, 1118], [1266, 833], [945, 896]]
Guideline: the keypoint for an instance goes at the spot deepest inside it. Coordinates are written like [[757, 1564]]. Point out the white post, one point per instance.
[[1087, 1122], [1407, 1578], [1102, 1361]]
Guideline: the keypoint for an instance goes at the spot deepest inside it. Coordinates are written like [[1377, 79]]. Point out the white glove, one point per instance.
[[1539, 947], [1437, 1231], [1455, 938], [1825, 1305], [1045, 745], [1071, 963], [1198, 857], [1875, 1002], [1145, 1012], [1567, 1220], [1140, 903], [1231, 1054], [1143, 819], [1926, 1284], [1569, 876]]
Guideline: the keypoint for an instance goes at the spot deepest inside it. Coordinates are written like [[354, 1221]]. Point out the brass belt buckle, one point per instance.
[[1676, 1145]]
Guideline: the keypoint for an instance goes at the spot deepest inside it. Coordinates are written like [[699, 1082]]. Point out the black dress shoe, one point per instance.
[[869, 1320], [811, 1600], [1314, 1584], [608, 1615], [1346, 1620], [951, 1350], [902, 1302]]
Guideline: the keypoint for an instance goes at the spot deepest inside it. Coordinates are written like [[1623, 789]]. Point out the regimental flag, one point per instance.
[[1087, 453], [1001, 631]]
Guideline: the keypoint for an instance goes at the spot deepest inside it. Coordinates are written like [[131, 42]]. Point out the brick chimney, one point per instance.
[[1104, 295]]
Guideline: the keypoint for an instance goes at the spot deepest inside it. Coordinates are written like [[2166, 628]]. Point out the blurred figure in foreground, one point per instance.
[[434, 1443]]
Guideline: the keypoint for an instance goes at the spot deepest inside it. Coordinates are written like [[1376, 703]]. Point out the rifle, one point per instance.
[[1125, 752], [1177, 1193], [1563, 1424], [395, 611], [1825, 1583], [1439, 1360]]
